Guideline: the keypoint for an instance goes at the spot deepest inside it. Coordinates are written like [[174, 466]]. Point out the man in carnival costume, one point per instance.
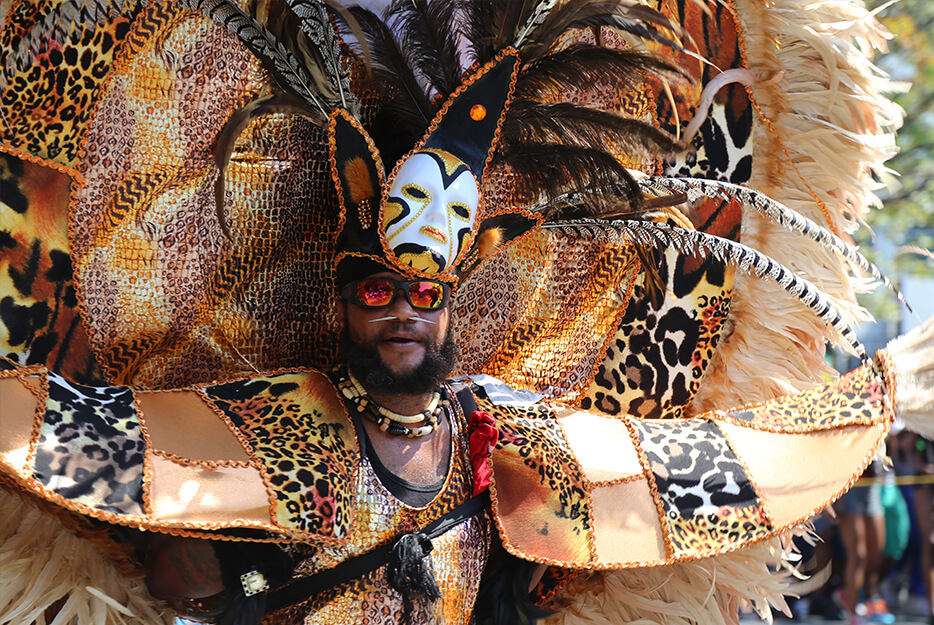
[[198, 198]]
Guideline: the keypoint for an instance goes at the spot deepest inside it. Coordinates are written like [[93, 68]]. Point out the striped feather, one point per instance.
[[261, 43], [663, 236], [315, 23], [538, 17], [697, 188]]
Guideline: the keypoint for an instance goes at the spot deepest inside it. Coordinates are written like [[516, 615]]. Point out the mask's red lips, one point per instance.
[[434, 233]]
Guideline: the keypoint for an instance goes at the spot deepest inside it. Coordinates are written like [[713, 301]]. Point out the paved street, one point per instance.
[[816, 620]]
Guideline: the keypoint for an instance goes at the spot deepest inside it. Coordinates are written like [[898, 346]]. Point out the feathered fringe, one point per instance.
[[829, 114], [912, 357], [712, 591], [43, 565]]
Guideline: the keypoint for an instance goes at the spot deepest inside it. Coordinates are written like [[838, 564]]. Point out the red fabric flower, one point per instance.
[[481, 429]]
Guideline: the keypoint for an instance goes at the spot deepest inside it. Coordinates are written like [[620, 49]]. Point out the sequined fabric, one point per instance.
[[458, 557]]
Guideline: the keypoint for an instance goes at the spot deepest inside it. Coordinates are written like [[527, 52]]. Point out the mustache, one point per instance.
[[394, 318], [407, 329]]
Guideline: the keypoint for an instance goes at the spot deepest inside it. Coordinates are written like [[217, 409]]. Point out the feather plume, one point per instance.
[[314, 22], [573, 124], [580, 67], [697, 188], [291, 31], [662, 236], [411, 106], [359, 184], [227, 137], [538, 17], [488, 241], [351, 24], [546, 172], [285, 66], [627, 15], [429, 33], [492, 26], [912, 358]]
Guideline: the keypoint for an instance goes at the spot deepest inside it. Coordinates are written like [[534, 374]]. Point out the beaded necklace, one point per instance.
[[412, 426]]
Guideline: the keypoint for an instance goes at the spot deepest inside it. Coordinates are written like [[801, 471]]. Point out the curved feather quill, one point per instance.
[[663, 236], [697, 188], [227, 138]]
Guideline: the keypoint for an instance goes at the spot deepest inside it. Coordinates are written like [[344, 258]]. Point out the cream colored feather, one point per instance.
[[42, 563]]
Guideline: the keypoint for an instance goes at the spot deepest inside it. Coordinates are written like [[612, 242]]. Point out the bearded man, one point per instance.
[[411, 426]]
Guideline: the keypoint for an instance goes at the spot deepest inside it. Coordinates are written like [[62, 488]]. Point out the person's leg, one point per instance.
[[876, 608], [853, 535], [923, 509]]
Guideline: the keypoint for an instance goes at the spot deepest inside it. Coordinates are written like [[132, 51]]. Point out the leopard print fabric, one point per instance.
[[61, 82], [704, 489], [533, 456], [312, 472], [847, 400], [655, 362], [458, 556], [40, 321], [90, 448]]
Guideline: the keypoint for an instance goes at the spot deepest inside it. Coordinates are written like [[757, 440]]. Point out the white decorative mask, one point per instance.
[[430, 211]]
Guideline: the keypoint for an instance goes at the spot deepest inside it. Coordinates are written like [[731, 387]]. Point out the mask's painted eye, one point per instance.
[[415, 192], [392, 211], [460, 210]]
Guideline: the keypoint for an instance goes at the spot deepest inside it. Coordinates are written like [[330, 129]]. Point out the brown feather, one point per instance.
[[357, 180], [488, 241], [628, 15]]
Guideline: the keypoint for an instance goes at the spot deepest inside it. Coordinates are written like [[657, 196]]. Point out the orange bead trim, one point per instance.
[[207, 464], [147, 460], [26, 156]]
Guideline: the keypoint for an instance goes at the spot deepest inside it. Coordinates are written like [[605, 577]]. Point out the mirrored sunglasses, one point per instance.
[[381, 292]]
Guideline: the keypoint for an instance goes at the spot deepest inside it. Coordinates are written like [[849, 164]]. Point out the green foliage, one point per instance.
[[907, 219]]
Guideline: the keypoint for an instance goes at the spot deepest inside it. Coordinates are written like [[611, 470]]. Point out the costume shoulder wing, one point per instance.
[[189, 461], [585, 491]]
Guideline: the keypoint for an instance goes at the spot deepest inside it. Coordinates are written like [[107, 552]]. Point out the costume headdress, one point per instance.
[[422, 220], [597, 294], [431, 215]]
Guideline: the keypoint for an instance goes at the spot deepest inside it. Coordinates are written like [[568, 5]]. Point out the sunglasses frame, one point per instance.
[[351, 294]]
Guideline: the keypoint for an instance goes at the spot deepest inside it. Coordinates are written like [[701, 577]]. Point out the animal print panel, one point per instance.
[[707, 497], [654, 363], [298, 428], [47, 95], [533, 465], [39, 318], [90, 448], [850, 399]]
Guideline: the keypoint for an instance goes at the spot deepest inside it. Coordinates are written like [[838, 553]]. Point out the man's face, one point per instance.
[[390, 350]]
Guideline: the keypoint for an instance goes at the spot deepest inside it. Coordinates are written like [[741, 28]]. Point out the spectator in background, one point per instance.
[[862, 531]]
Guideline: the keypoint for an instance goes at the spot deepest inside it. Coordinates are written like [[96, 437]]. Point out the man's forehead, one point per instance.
[[389, 275]]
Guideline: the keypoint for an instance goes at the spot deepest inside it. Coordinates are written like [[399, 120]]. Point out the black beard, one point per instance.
[[367, 366]]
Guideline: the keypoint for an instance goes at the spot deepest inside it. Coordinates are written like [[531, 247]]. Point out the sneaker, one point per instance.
[[877, 611], [916, 605]]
